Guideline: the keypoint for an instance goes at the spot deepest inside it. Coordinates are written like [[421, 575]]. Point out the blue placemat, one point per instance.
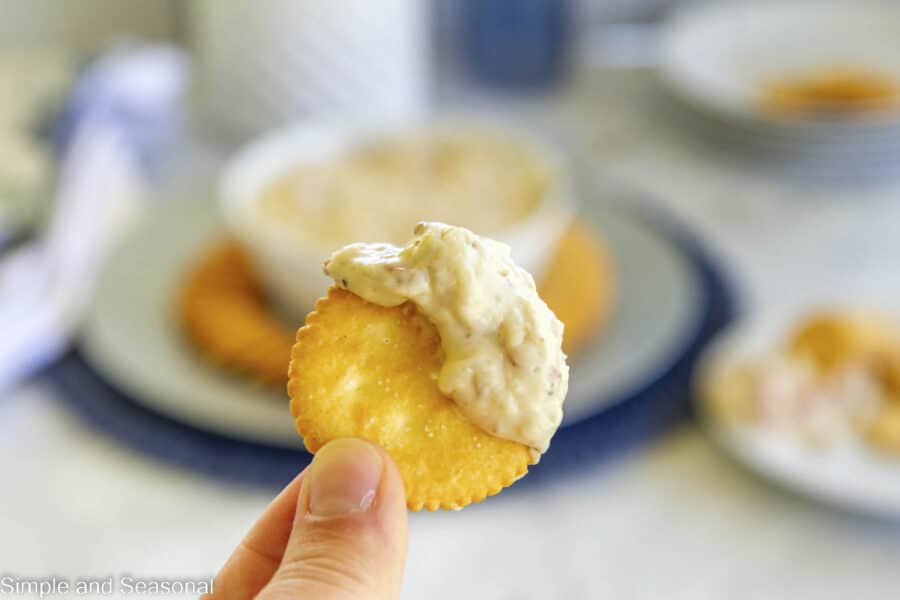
[[641, 415]]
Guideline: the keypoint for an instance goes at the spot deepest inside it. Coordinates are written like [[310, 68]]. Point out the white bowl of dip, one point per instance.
[[295, 195]]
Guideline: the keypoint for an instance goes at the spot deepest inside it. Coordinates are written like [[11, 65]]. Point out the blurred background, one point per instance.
[[705, 192]]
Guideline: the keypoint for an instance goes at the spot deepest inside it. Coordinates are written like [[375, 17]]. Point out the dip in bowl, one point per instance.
[[296, 195]]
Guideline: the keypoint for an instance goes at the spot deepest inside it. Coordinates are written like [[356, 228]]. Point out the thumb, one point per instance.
[[349, 534]]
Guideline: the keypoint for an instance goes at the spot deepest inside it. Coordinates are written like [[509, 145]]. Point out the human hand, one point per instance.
[[337, 532]]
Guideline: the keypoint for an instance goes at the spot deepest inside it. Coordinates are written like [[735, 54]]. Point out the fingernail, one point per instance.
[[343, 478]]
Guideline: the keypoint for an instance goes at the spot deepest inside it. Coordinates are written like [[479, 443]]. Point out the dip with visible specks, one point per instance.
[[504, 365]]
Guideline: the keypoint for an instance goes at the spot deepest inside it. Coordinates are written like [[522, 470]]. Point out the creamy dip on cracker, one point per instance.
[[504, 365]]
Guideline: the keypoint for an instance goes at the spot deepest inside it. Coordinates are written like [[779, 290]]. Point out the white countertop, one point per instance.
[[674, 520]]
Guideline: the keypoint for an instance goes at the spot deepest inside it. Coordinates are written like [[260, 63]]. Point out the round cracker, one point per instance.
[[229, 321], [579, 286], [362, 370], [834, 339]]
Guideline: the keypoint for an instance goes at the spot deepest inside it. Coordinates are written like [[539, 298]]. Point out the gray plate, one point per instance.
[[131, 336]]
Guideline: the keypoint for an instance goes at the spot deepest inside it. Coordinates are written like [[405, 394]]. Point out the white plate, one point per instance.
[[131, 336], [848, 475], [850, 158], [716, 56]]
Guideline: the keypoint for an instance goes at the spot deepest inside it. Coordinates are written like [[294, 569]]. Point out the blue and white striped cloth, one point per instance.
[[120, 114]]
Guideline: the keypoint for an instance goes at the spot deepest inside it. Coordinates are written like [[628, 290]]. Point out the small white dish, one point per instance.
[[717, 56], [132, 337], [848, 474], [292, 268]]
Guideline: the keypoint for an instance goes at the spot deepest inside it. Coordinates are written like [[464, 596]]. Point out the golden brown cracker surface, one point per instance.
[[226, 317], [362, 370], [579, 286]]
